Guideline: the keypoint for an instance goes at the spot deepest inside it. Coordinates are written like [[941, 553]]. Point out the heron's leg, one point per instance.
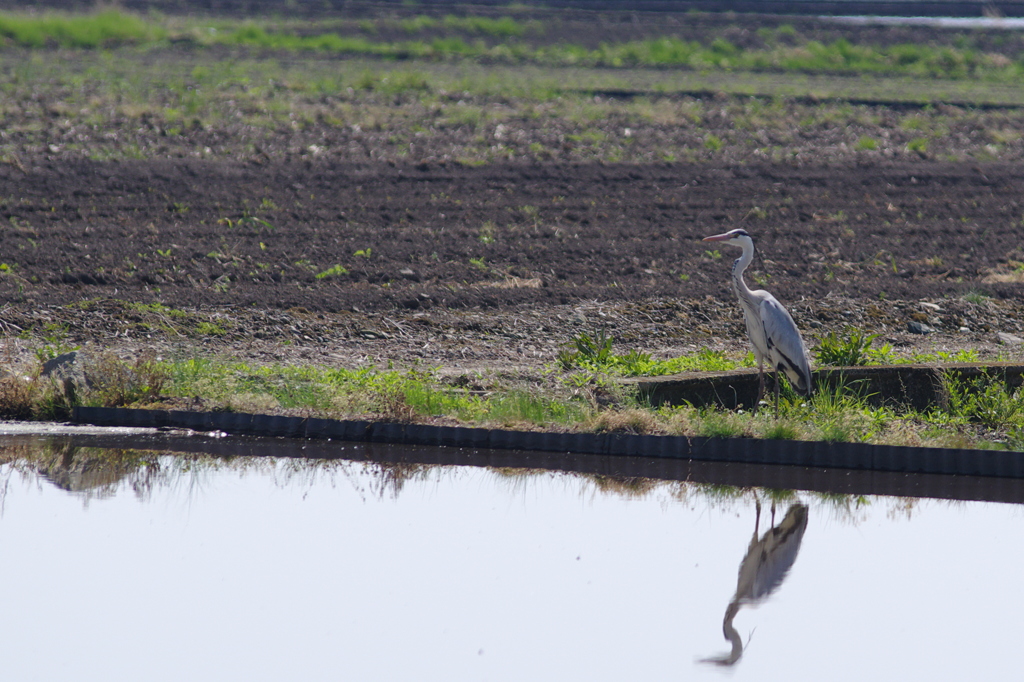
[[776, 394], [773, 513], [757, 518], [760, 384]]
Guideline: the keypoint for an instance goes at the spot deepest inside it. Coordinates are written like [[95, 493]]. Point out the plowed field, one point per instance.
[[345, 257]]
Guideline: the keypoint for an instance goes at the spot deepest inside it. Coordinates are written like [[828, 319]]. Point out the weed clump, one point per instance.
[[851, 349], [781, 431], [113, 382], [633, 421], [719, 424], [104, 381], [593, 353], [985, 400], [393, 406], [19, 397]]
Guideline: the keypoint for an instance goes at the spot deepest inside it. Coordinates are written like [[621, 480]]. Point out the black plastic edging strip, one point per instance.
[[818, 454]]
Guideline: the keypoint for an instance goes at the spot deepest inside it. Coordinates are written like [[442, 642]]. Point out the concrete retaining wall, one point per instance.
[[917, 386]]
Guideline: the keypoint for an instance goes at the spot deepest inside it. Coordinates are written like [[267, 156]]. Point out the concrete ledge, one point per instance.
[[916, 386]]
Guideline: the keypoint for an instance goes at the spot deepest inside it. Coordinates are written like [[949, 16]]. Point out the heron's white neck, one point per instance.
[[740, 266], [732, 636]]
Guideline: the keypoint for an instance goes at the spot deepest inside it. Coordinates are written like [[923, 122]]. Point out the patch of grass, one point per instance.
[[391, 395], [156, 309], [976, 297], [593, 353], [205, 328], [20, 397], [246, 219], [781, 430], [502, 27], [102, 379], [55, 343], [839, 414], [333, 271], [866, 143], [499, 40], [521, 406], [962, 355], [719, 424], [986, 401], [625, 421], [587, 351], [116, 383], [100, 30], [850, 349], [811, 57]]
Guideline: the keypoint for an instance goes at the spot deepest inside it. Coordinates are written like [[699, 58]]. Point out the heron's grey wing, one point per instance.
[[778, 552], [785, 343]]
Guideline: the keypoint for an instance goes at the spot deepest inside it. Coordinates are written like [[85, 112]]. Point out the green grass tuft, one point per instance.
[[850, 349], [100, 30], [594, 354]]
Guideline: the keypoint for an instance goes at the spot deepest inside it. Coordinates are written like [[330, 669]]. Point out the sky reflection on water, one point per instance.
[[990, 23], [270, 569]]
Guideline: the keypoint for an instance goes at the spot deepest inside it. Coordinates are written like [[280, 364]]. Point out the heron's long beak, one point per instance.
[[718, 237]]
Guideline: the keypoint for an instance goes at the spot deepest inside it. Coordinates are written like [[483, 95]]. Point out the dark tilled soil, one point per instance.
[[497, 263], [198, 234]]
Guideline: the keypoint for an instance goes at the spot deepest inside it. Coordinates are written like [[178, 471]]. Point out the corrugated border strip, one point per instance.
[[858, 456]]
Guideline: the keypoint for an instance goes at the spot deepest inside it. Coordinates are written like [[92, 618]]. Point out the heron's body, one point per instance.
[[770, 327]]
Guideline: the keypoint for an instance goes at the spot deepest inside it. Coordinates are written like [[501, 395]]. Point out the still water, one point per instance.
[[140, 565], [988, 23]]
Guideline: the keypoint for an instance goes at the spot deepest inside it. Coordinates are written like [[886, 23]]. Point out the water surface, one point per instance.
[[1004, 23], [159, 567]]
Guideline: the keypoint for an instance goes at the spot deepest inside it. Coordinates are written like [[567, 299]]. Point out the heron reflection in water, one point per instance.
[[763, 569]]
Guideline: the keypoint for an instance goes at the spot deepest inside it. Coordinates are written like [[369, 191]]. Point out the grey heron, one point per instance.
[[770, 327], [762, 570]]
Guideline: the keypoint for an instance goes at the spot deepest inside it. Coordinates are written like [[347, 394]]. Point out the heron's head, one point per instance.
[[737, 237]]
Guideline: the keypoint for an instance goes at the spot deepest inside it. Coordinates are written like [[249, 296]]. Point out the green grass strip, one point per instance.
[[103, 29], [505, 41]]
